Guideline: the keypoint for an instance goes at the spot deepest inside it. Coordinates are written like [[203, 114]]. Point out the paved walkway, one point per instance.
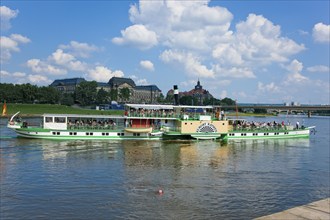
[[319, 210]]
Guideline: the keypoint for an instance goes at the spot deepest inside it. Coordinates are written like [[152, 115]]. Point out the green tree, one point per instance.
[[48, 94], [86, 93], [188, 100], [160, 98], [102, 96], [227, 101], [114, 95], [29, 93], [67, 99], [124, 94]]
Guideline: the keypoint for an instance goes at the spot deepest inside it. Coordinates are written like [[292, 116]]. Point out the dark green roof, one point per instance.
[[66, 82], [148, 87], [120, 80]]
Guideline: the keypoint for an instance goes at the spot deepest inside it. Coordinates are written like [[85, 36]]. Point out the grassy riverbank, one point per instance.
[[39, 109]]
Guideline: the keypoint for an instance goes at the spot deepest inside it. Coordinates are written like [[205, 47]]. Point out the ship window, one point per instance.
[[75, 133], [91, 133], [87, 133], [138, 134], [60, 119], [54, 133], [122, 134], [118, 134], [103, 134], [58, 133], [70, 133], [49, 119], [185, 123], [107, 134]]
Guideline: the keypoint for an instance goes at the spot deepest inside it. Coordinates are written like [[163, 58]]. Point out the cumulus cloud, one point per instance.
[[103, 74], [21, 78], [6, 14], [4, 73], [137, 35], [38, 79], [295, 76], [10, 44], [271, 87], [147, 65], [234, 72], [321, 33], [38, 66], [79, 49], [197, 38], [67, 60], [319, 68], [190, 62], [258, 40]]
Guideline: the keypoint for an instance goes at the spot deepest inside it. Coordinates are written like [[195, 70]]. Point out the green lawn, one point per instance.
[[39, 109]]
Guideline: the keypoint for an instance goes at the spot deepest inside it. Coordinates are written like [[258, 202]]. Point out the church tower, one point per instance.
[[198, 86]]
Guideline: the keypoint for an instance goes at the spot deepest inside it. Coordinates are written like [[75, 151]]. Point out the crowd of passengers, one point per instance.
[[89, 123], [168, 113], [245, 125]]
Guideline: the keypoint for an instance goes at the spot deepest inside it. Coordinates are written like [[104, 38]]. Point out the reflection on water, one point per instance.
[[200, 179]]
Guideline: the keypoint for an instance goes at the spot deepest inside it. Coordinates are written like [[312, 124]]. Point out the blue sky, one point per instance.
[[251, 51]]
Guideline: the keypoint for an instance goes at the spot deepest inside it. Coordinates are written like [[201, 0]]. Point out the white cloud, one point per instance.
[[258, 40], [38, 66], [6, 14], [38, 79], [321, 33], [190, 63], [79, 49], [67, 60], [4, 73], [197, 38], [142, 82], [147, 64], [20, 39], [11, 44], [295, 76], [103, 74], [234, 72], [319, 68], [19, 74], [271, 87], [137, 35]]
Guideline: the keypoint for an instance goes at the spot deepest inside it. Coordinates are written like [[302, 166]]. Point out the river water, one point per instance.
[[43, 179]]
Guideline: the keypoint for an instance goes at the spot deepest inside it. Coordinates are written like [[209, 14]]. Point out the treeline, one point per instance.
[[86, 94], [191, 100]]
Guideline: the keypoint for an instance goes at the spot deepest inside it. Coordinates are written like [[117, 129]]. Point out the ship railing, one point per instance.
[[95, 127], [191, 116], [261, 128]]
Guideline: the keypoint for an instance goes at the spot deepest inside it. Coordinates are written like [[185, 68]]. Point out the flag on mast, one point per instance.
[[4, 109]]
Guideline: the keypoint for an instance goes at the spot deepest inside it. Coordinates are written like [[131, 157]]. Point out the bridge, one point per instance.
[[281, 107], [278, 108]]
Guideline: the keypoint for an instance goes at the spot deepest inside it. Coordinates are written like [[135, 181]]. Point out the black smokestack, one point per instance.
[[176, 95]]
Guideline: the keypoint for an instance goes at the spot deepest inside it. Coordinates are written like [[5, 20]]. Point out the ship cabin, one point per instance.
[[176, 118], [75, 121]]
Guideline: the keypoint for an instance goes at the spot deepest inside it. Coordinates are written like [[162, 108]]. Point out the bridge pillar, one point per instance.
[[309, 113]]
